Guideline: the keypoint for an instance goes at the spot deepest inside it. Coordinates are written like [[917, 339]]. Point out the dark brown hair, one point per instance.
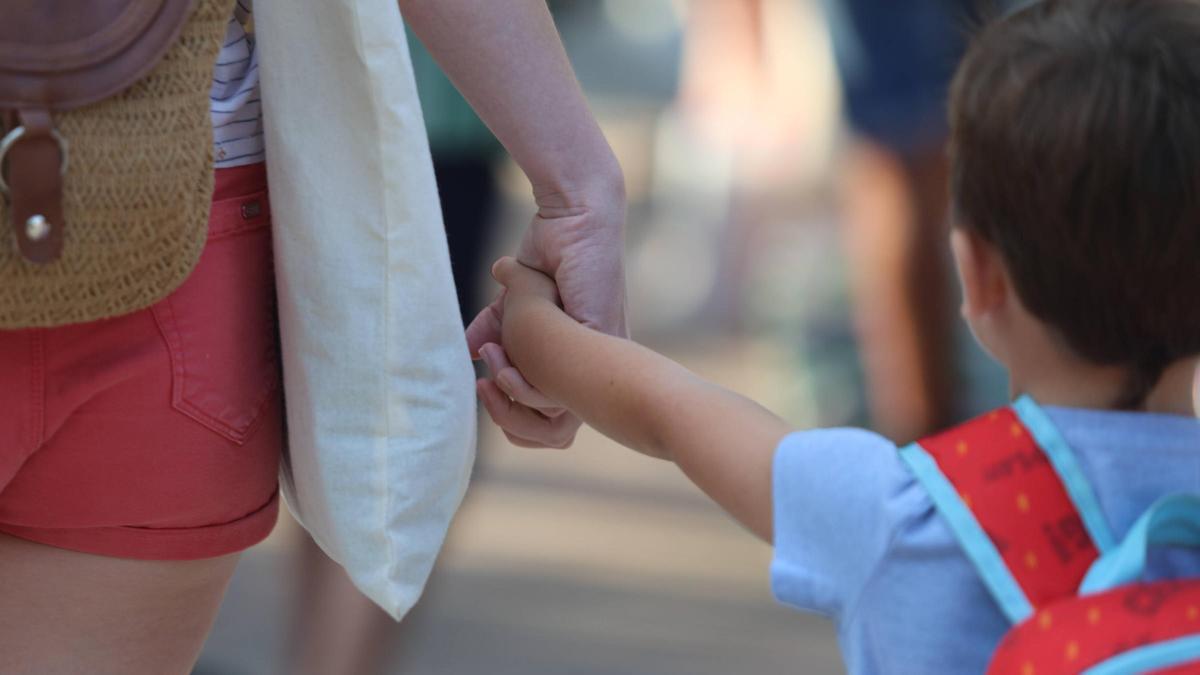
[[1075, 145]]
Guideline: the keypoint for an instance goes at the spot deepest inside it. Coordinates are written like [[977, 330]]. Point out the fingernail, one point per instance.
[[489, 357], [507, 382], [489, 395], [509, 379]]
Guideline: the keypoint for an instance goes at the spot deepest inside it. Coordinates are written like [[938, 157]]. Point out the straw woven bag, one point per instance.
[[107, 153]]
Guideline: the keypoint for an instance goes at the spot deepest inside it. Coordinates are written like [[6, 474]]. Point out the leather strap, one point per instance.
[[34, 174]]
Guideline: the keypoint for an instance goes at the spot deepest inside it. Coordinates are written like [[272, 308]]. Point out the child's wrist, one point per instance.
[[522, 317]]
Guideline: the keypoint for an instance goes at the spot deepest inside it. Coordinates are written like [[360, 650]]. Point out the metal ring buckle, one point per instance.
[[10, 139]]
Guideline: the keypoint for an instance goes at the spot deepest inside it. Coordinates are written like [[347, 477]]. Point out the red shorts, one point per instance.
[[154, 435]]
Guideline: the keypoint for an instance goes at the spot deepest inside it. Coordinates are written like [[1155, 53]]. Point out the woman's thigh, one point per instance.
[[63, 612], [138, 455]]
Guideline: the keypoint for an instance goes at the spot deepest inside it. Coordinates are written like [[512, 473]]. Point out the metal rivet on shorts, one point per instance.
[[251, 210], [37, 227]]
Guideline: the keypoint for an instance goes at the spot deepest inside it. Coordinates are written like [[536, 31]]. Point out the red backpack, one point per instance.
[[1013, 495]]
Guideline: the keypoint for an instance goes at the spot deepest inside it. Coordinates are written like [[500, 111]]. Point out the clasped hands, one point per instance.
[[572, 254]]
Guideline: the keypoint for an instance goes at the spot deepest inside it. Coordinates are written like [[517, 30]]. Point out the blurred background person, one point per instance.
[[896, 60]]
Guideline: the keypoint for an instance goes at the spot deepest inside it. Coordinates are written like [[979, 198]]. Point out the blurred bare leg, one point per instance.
[[63, 612], [895, 215], [336, 628]]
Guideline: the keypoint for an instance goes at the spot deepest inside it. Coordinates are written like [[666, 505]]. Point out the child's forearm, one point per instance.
[[722, 441], [614, 385]]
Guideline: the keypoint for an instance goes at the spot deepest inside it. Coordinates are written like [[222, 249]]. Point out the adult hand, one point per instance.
[[576, 237]]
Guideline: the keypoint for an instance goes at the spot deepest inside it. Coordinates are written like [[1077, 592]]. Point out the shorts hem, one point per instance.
[[151, 543]]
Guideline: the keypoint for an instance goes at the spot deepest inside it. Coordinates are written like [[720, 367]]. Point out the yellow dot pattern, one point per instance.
[[1045, 620], [1071, 649]]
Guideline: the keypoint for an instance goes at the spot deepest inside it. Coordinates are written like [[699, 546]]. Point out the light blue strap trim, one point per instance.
[[974, 541], [1172, 520], [1150, 657], [1067, 468]]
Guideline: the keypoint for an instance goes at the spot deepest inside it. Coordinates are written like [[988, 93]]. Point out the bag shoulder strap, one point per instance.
[[1013, 495]]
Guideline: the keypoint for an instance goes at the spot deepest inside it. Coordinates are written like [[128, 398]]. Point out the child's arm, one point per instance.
[[724, 442]]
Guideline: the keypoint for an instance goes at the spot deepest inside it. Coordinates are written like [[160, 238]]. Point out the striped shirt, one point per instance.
[[234, 98]]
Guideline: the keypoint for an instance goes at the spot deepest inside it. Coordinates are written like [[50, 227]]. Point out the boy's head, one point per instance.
[[1076, 183]]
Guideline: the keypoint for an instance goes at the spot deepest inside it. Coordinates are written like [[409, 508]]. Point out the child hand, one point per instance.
[[523, 286], [528, 299]]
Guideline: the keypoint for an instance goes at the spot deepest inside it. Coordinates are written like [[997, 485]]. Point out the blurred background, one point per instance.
[[785, 168]]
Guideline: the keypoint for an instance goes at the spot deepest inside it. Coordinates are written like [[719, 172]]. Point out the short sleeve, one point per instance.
[[838, 499]]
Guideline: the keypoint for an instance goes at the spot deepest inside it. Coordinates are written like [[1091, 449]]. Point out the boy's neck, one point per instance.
[[1173, 395], [1074, 384]]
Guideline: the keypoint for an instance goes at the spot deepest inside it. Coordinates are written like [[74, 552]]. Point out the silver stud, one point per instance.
[[37, 227]]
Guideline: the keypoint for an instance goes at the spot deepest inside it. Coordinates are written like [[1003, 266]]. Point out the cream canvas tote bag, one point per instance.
[[378, 383]]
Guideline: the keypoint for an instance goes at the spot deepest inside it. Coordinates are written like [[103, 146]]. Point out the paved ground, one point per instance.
[[589, 562]]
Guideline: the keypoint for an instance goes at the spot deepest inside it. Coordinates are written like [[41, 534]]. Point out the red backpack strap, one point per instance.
[[1016, 500], [1118, 623], [1138, 628]]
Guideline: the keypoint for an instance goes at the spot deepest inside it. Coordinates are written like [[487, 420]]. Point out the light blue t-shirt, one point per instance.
[[858, 539]]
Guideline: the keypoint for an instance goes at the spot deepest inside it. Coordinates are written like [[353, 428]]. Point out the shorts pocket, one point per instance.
[[220, 326]]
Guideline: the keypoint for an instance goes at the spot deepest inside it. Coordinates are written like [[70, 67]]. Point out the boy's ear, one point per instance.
[[981, 273], [1196, 391]]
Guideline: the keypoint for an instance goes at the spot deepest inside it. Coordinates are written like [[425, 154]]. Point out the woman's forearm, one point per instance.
[[506, 58]]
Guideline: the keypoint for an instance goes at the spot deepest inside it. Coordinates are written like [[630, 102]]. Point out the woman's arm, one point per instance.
[[506, 58], [724, 442]]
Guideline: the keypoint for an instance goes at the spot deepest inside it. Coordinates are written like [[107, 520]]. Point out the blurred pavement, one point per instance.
[[592, 561]]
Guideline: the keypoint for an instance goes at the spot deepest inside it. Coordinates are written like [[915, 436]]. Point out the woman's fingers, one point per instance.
[[522, 442], [525, 426], [513, 384], [485, 327]]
